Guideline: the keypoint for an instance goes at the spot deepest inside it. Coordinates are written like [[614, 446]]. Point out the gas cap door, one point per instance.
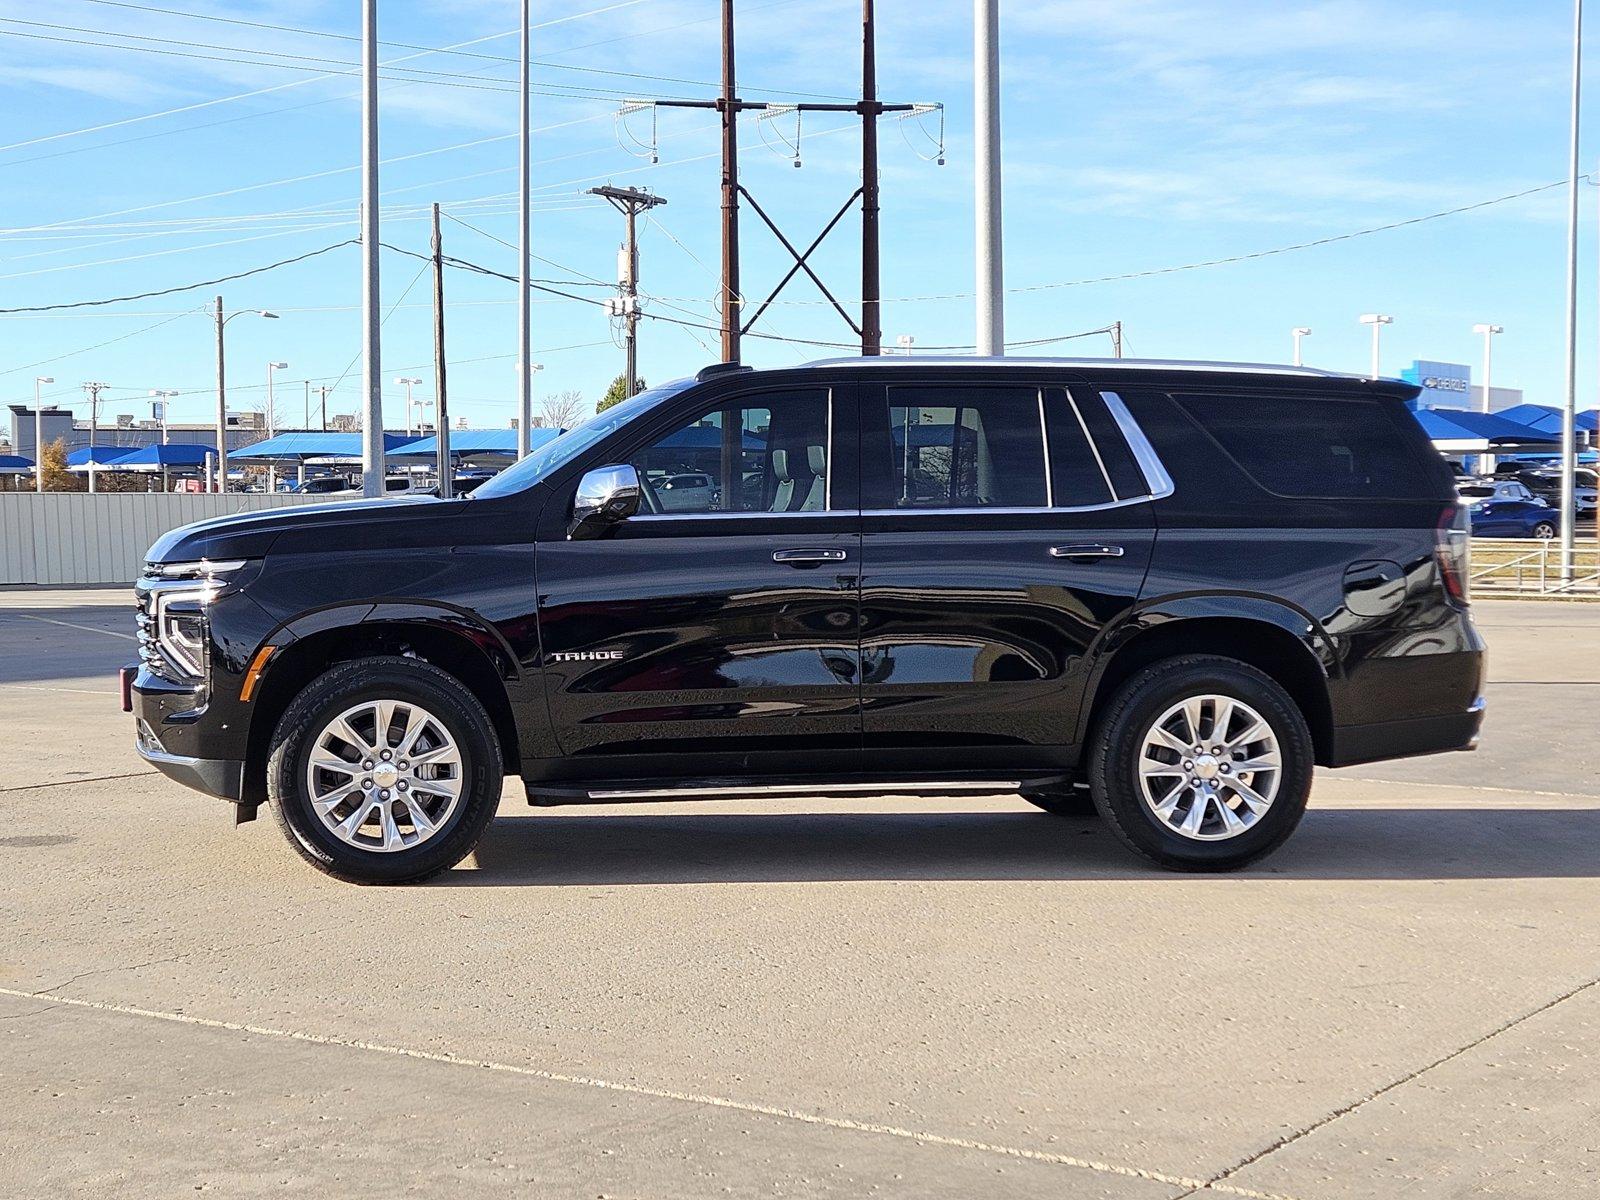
[[1374, 587]]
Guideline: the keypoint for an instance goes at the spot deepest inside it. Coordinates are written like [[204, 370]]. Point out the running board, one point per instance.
[[546, 795]]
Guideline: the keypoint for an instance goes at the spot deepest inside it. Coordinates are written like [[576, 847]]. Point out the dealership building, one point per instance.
[[1449, 385]]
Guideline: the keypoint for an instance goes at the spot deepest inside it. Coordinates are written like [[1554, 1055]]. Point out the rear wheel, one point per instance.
[[1202, 764], [384, 770], [1544, 530]]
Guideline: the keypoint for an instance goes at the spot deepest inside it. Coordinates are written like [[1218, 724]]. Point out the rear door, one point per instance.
[[1005, 523]]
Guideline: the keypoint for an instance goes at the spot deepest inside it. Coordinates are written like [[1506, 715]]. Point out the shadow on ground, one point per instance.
[[1391, 843]]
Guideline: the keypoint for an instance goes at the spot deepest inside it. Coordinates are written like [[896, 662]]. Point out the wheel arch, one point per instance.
[[1280, 642], [455, 644]]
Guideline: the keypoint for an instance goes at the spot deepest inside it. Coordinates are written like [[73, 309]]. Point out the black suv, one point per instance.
[[1171, 587]]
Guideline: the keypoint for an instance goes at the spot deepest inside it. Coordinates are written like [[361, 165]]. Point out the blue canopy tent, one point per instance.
[[99, 458], [15, 464], [468, 444], [1460, 425], [302, 447], [168, 456], [1547, 418]]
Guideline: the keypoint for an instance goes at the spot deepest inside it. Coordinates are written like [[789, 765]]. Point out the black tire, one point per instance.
[[1544, 530], [1064, 800], [1118, 743], [403, 679]]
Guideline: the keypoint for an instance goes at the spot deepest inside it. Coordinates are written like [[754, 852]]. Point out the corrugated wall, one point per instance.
[[72, 538]]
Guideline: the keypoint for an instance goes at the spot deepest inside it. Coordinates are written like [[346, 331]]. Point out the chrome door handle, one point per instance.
[[801, 557], [1094, 551]]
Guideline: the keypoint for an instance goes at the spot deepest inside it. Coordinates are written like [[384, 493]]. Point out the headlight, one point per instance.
[[173, 627], [180, 622]]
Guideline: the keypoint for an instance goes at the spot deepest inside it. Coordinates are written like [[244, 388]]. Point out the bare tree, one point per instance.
[[563, 410]]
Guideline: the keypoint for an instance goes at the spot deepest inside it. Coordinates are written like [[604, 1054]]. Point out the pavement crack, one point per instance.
[[1219, 1181], [55, 783], [55, 988]]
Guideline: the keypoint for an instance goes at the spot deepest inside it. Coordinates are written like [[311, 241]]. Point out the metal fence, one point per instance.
[[73, 538], [1511, 567]]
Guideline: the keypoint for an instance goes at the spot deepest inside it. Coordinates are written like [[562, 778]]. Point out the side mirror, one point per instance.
[[606, 496]]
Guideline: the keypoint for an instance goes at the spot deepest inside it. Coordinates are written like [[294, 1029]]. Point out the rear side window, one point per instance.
[[962, 448], [1316, 446]]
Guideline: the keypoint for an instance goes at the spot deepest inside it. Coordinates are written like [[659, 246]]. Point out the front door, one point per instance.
[[995, 548], [716, 632]]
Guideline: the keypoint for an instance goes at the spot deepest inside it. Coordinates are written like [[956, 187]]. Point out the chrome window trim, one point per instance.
[[1111, 488], [1155, 475], [997, 510], [1044, 440], [739, 516]]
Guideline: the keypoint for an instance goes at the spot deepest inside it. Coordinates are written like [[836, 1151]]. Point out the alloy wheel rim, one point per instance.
[[384, 775], [1210, 767]]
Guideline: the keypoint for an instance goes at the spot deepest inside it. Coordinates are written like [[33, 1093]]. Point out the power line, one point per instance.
[[496, 58], [186, 287]]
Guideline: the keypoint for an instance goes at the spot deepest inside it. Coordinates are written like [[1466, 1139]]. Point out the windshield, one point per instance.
[[554, 455]]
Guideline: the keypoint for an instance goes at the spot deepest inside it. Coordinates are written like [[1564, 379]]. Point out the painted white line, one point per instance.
[[1462, 787], [74, 625], [109, 690], [765, 1110]]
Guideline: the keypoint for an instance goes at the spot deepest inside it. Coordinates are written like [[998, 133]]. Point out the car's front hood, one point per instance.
[[252, 534]]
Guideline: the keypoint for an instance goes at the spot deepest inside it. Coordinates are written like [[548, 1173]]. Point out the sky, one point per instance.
[[147, 147]]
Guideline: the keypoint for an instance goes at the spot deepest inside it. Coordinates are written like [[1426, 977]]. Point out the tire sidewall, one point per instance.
[[1137, 705], [350, 684]]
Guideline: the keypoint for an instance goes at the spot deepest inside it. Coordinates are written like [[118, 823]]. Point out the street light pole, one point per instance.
[[986, 153], [221, 484], [407, 382], [524, 251], [372, 447], [1299, 332], [158, 407], [38, 434], [272, 410], [1377, 321], [1488, 332], [1569, 405]]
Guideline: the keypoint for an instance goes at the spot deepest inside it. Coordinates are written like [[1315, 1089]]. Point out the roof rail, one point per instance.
[[716, 370]]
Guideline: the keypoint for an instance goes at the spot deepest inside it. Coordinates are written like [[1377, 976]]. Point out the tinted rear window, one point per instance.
[[1316, 446]]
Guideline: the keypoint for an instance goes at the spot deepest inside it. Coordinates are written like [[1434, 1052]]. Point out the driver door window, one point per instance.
[[762, 454]]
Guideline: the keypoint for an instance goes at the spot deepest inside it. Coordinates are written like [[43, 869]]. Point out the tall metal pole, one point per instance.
[[1116, 339], [442, 436], [1569, 405], [731, 308], [986, 155], [525, 274], [1486, 462], [220, 481], [38, 433], [372, 447], [630, 303], [871, 309]]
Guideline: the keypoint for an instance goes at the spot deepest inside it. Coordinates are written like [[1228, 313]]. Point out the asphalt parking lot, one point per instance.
[[951, 998]]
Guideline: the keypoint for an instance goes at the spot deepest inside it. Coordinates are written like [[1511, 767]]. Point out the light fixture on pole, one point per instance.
[[272, 410], [905, 341], [1377, 321], [527, 379], [1300, 331], [158, 412], [408, 382], [38, 434], [221, 482]]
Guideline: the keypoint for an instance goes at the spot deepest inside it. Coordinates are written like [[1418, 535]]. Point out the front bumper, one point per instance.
[[220, 777], [169, 736]]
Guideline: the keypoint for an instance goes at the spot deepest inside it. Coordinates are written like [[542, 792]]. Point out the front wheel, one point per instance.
[[384, 770], [1202, 763]]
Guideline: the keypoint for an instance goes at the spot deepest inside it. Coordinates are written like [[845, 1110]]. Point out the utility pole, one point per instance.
[[1116, 339], [869, 109], [732, 315], [94, 389], [442, 436], [525, 267], [986, 155], [372, 442], [322, 395], [630, 202], [871, 314]]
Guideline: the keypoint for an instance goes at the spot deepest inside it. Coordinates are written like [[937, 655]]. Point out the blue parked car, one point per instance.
[[1513, 519]]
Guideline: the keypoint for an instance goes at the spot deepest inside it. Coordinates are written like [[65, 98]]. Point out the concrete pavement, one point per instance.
[[942, 998]]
